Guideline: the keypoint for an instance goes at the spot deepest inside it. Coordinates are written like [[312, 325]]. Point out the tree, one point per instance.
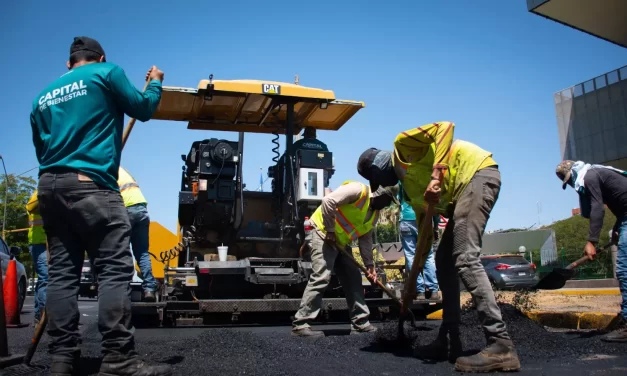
[[20, 190]]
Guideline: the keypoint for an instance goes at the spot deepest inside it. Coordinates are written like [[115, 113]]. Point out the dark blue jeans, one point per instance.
[[40, 263], [82, 216], [140, 224]]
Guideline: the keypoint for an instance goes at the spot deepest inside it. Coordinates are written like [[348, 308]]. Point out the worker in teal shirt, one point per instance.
[[77, 123], [409, 240]]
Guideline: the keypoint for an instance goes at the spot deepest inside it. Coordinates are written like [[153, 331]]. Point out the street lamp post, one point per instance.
[[522, 250], [6, 196]]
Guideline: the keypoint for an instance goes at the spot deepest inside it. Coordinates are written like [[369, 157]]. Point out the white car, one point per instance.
[[6, 254]]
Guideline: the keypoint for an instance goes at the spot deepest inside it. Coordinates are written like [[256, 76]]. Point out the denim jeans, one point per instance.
[[79, 216], [40, 263], [459, 251], [621, 265], [140, 224], [409, 240]]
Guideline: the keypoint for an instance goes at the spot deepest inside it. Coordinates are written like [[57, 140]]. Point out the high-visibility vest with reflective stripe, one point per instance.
[[129, 189], [36, 233], [349, 218], [464, 160]]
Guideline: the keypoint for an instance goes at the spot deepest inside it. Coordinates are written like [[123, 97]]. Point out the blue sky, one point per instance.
[[489, 66]]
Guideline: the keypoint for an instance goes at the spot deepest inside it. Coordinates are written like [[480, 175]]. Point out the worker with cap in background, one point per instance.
[[462, 181], [137, 209], [77, 123], [409, 239], [38, 252], [596, 186], [347, 214], [309, 141]]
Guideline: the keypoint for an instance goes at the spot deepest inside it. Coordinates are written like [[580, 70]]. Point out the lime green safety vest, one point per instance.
[[129, 189], [464, 160], [349, 218], [36, 233]]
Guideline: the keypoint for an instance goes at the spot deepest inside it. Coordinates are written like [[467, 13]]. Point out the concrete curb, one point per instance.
[[591, 291], [574, 320], [562, 320]]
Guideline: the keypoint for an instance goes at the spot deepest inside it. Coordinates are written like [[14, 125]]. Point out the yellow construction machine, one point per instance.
[[265, 270]]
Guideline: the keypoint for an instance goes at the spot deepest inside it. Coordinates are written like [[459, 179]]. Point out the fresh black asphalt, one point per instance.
[[272, 350]]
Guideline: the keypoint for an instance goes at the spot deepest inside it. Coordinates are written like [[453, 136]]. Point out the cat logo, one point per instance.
[[271, 89]]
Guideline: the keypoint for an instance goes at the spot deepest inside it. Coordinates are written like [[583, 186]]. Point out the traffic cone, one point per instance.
[[11, 299]]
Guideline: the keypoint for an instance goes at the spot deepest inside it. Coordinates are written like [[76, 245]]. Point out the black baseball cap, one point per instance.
[[87, 44], [365, 167]]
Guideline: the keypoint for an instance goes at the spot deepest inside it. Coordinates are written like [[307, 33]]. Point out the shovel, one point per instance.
[[557, 278], [389, 292]]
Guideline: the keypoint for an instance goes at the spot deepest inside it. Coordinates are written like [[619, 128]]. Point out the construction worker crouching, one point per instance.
[[136, 206], [38, 252], [345, 215], [596, 186], [463, 182]]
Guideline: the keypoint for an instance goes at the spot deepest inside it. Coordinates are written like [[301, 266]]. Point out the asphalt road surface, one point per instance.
[[270, 350]]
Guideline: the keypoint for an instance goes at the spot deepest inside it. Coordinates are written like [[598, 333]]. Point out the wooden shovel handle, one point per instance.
[[584, 259], [421, 254], [131, 122]]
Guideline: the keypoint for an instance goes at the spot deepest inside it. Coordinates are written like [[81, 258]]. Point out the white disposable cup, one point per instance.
[[222, 252]]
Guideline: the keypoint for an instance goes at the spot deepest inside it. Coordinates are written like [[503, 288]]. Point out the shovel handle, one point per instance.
[[365, 271], [584, 259], [421, 252], [131, 122]]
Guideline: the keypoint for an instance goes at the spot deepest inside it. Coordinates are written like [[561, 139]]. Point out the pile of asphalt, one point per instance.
[[533, 342]]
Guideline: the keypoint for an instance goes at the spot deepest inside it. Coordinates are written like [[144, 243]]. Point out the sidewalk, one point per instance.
[[573, 308]]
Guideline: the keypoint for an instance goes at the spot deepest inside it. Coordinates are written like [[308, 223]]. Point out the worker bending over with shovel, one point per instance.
[[462, 182], [345, 215], [596, 186]]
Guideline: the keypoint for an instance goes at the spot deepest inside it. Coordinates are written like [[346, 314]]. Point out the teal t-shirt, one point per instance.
[[310, 144], [407, 212], [78, 120]]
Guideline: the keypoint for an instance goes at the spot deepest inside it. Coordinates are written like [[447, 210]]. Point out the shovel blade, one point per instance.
[[556, 279]]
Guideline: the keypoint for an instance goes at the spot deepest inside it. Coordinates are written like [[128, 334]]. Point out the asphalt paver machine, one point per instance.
[[266, 269]]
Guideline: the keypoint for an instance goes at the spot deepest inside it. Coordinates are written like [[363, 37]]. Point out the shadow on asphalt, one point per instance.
[[90, 365]]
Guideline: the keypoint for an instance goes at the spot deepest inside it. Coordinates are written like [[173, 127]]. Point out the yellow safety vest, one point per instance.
[[131, 194], [36, 233], [349, 218], [464, 160]]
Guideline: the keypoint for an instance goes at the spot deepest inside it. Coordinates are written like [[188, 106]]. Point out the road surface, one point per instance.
[[272, 351]]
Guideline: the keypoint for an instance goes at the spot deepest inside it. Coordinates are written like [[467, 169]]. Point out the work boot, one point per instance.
[[619, 334], [131, 366], [446, 346], [435, 295], [307, 332], [61, 369], [499, 355], [365, 329], [149, 296], [420, 296]]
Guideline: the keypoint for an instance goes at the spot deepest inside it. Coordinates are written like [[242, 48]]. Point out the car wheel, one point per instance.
[[21, 293]]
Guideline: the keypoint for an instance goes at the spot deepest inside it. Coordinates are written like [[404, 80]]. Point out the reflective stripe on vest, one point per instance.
[[37, 222], [349, 218], [129, 189], [464, 159], [128, 185]]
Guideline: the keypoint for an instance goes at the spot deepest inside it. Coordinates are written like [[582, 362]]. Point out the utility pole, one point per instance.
[[6, 196]]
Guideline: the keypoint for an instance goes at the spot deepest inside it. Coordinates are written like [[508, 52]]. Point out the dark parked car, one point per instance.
[[509, 271]]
